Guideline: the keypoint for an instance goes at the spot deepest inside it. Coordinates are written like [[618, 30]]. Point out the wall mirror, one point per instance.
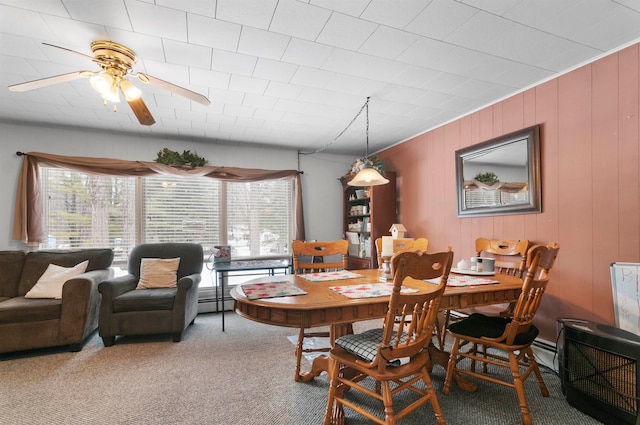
[[500, 176]]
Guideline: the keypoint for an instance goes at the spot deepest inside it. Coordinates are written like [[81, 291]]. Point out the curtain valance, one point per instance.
[[28, 219]]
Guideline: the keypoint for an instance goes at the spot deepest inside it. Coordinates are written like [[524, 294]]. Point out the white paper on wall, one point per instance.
[[625, 280]]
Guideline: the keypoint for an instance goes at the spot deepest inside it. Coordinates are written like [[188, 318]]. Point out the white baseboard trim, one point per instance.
[[545, 354]]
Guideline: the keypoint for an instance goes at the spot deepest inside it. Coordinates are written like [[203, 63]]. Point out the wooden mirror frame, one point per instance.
[[534, 204]]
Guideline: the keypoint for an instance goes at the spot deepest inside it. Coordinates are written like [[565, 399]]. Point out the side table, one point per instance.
[[247, 268]]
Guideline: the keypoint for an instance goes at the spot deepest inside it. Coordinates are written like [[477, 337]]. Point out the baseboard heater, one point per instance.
[[599, 369]]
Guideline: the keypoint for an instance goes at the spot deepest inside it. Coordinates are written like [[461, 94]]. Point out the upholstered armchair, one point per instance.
[[158, 295]]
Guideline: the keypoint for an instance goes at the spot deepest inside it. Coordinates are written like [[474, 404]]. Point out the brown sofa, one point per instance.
[[28, 323]]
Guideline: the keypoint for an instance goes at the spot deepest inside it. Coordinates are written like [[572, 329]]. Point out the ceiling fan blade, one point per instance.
[[49, 81], [141, 111], [157, 82], [91, 58]]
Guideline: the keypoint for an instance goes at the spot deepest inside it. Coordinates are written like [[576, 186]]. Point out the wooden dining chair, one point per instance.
[[401, 245], [506, 342], [395, 357], [311, 257], [546, 259], [510, 259], [510, 255]]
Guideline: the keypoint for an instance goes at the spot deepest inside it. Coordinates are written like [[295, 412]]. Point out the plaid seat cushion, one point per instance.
[[365, 345]]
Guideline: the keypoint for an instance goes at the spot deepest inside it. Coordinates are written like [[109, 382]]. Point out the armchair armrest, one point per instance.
[[187, 282], [111, 288]]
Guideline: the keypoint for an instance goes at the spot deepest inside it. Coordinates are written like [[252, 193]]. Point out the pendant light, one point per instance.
[[368, 176]]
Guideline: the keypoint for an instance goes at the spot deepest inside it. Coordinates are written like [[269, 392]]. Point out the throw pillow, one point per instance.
[[158, 273], [52, 280]]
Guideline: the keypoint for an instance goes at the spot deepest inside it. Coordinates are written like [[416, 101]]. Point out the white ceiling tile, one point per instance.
[[181, 53], [395, 14], [268, 115], [346, 32], [228, 97], [612, 30], [200, 7], [15, 46], [262, 43], [283, 90], [108, 14], [74, 34], [414, 76], [298, 19], [248, 84], [440, 18], [631, 4], [257, 14], [210, 32], [274, 70], [351, 7], [362, 87], [43, 6], [238, 111], [157, 20], [307, 53], [443, 82], [233, 63], [208, 78], [388, 42], [482, 32], [259, 101], [425, 52], [25, 23], [311, 77], [499, 7]]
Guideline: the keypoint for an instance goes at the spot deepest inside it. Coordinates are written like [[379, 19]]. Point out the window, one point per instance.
[[83, 211]]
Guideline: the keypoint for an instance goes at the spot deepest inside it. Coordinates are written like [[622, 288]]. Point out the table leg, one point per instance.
[[441, 357], [222, 288], [321, 363]]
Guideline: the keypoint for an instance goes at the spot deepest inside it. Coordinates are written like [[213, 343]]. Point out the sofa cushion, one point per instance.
[[53, 279], [11, 263], [35, 263], [20, 309], [145, 299]]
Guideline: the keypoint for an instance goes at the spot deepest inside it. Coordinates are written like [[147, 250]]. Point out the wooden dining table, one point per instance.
[[321, 306]]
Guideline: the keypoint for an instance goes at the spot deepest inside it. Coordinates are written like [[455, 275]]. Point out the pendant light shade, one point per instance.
[[368, 176]]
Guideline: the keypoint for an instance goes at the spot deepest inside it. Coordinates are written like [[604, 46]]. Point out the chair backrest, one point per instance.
[[402, 245], [548, 254], [525, 309], [510, 255], [410, 320], [313, 250], [191, 256]]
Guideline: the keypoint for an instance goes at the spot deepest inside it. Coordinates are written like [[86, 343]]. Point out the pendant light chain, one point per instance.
[[366, 153], [366, 105]]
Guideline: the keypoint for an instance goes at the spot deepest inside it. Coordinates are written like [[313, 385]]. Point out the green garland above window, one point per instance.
[[184, 159], [487, 178]]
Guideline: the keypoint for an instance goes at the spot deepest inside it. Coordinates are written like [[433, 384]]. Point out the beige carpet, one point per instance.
[[241, 376]]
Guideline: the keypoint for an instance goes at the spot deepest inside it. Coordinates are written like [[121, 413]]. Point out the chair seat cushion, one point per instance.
[[145, 299], [365, 345], [478, 325]]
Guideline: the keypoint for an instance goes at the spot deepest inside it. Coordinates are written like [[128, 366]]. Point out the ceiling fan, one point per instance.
[[116, 62]]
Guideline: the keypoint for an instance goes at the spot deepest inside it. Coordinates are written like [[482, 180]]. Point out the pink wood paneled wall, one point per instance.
[[589, 130]]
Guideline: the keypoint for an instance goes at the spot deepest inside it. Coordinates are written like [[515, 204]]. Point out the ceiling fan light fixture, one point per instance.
[[102, 83], [112, 94], [129, 91]]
